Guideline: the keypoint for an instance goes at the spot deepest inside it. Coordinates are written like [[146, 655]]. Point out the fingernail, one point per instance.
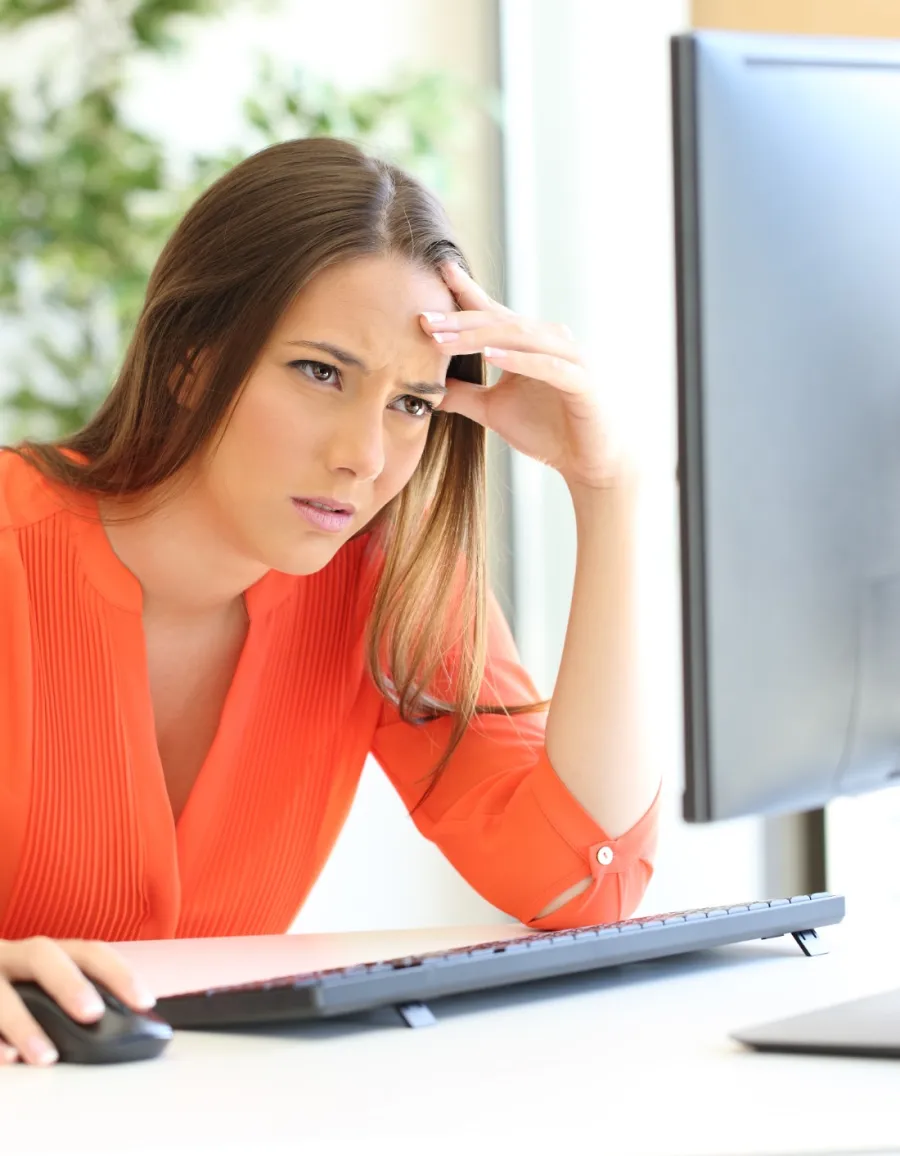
[[445, 336], [490, 352], [144, 997], [40, 1052], [91, 1004], [432, 317]]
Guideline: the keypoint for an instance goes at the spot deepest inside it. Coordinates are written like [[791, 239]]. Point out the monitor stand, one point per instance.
[[861, 1027]]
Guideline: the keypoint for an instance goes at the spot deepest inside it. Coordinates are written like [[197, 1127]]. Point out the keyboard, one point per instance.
[[407, 981]]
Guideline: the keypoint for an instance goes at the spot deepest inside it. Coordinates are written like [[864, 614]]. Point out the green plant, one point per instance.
[[87, 200]]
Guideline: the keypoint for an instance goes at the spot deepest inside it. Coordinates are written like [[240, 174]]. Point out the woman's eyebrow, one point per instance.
[[350, 359]]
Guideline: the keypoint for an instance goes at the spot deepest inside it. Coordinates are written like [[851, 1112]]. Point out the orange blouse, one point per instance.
[[88, 844]]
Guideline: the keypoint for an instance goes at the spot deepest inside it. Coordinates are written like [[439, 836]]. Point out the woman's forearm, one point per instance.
[[599, 709]]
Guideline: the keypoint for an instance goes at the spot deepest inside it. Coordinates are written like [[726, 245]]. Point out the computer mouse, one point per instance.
[[120, 1033]]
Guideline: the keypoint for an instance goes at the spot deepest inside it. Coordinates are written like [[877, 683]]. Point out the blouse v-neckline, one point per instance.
[[181, 842]]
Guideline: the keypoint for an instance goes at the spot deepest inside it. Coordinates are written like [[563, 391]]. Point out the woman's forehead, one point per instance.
[[387, 284]]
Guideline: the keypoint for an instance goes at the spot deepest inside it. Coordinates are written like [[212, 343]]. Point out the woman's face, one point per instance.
[[344, 423]]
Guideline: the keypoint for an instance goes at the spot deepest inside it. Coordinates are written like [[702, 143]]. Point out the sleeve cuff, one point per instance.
[[620, 868]]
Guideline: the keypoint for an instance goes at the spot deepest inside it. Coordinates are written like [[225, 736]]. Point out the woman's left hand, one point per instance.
[[542, 404]]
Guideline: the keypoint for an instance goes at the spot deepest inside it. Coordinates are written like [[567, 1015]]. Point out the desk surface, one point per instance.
[[634, 1060]]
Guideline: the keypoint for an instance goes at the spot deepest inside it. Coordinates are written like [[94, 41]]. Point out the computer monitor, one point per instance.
[[787, 206]]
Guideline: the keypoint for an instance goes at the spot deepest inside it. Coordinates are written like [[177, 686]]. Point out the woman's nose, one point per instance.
[[356, 443]]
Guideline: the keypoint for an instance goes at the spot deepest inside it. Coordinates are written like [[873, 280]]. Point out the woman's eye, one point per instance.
[[327, 374], [427, 409], [312, 368]]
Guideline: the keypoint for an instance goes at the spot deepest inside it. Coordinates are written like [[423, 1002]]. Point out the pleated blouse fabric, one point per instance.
[[88, 844]]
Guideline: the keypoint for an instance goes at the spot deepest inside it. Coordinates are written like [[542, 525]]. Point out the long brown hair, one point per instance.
[[233, 265]]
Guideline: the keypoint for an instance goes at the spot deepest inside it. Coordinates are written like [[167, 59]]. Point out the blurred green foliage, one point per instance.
[[88, 200]]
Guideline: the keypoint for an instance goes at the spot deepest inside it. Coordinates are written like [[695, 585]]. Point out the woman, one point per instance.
[[264, 557]]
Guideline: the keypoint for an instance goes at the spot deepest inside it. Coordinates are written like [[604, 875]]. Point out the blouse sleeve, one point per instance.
[[501, 815]]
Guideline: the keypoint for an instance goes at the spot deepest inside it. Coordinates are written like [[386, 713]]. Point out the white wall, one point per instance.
[[589, 198], [862, 836]]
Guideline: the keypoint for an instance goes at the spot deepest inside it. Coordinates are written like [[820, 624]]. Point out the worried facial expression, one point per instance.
[[337, 409]]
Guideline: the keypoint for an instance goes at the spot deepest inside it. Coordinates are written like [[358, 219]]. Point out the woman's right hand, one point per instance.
[[60, 967]]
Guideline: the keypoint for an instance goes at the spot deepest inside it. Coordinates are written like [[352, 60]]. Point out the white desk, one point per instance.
[[633, 1061]]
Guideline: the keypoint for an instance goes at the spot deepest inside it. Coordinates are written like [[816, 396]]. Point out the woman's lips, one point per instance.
[[333, 522]]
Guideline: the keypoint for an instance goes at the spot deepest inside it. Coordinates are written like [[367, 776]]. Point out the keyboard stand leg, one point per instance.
[[809, 942], [416, 1015]]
